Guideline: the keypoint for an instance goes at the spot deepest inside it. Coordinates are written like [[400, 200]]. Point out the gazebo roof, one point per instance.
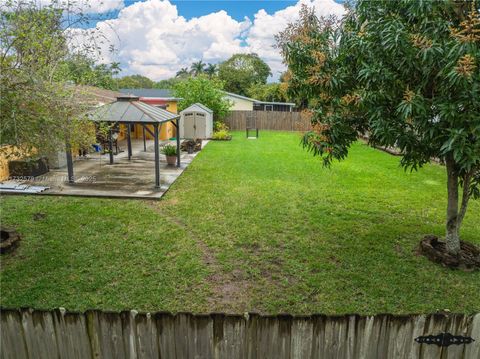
[[128, 109]]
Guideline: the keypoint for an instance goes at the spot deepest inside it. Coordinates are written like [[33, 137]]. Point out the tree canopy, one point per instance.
[[241, 71], [197, 68], [83, 70], [273, 92], [205, 91], [404, 73], [135, 82], [41, 106]]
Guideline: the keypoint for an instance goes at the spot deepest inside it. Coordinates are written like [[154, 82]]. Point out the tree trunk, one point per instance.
[[452, 239]]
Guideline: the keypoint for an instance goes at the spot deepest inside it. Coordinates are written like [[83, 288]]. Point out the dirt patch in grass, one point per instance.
[[229, 290], [38, 216]]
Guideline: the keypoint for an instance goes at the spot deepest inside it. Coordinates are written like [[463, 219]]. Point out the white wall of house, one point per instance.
[[240, 104]]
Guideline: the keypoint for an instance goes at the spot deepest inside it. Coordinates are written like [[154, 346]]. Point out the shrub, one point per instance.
[[220, 126], [222, 135], [169, 150]]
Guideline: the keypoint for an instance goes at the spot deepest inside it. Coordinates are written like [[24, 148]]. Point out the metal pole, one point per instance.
[[110, 145], [68, 153], [157, 156], [144, 141], [129, 141], [178, 142]]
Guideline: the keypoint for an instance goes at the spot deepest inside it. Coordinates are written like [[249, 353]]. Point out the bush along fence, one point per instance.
[[27, 333], [267, 120]]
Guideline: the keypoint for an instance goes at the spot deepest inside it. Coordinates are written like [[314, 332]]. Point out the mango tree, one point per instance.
[[404, 73]]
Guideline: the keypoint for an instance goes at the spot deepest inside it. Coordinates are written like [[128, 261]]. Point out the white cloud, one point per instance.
[[152, 39], [261, 36]]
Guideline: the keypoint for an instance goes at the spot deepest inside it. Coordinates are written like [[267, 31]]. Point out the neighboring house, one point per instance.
[[239, 102], [156, 97], [162, 98], [243, 103]]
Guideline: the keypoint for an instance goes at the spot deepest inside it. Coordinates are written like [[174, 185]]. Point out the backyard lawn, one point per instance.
[[251, 225]]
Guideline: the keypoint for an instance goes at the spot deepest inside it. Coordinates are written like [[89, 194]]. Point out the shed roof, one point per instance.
[[130, 110], [196, 106]]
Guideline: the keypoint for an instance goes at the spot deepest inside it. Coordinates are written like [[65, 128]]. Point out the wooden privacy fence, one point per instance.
[[95, 334], [268, 120]]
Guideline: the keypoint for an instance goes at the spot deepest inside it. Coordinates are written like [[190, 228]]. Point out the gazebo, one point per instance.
[[129, 110]]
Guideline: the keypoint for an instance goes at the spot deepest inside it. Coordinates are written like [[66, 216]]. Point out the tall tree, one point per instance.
[[167, 83], [406, 73], [40, 108], [135, 82], [197, 68], [82, 70], [241, 71], [211, 70], [205, 91], [183, 72], [273, 92]]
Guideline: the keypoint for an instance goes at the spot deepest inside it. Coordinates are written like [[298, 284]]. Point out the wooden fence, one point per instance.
[[268, 120], [40, 334]]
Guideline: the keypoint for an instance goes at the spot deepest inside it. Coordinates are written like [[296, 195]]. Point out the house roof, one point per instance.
[[165, 94], [197, 105], [94, 96], [239, 96], [257, 101], [128, 109]]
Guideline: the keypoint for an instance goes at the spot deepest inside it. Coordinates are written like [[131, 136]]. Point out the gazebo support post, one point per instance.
[[110, 145], [129, 141], [68, 153], [178, 142], [144, 140], [157, 156]]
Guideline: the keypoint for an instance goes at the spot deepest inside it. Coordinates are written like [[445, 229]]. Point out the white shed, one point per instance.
[[196, 122]]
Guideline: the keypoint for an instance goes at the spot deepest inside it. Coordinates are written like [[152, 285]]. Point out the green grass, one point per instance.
[[251, 225]]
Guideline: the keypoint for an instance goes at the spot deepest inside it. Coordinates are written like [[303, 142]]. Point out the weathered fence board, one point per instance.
[[268, 120], [27, 333]]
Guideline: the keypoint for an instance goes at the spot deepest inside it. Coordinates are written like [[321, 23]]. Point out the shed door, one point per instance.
[[189, 125], [200, 125]]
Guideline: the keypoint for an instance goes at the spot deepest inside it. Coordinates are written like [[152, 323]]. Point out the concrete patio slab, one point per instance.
[[134, 178]]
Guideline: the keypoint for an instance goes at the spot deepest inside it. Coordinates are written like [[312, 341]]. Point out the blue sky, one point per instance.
[[156, 38], [237, 9]]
